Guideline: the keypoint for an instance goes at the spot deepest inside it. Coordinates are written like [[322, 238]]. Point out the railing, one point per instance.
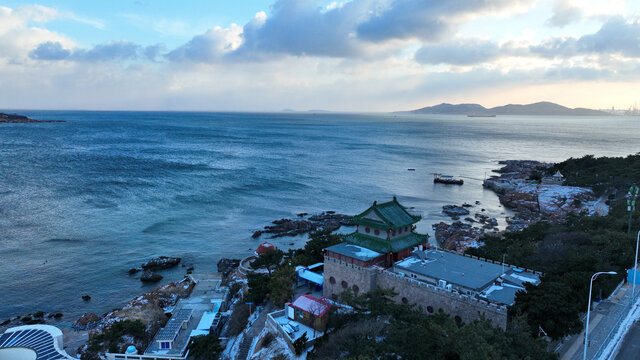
[[616, 326]]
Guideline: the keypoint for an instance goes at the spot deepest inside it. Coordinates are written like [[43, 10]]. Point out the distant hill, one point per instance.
[[19, 119], [539, 108]]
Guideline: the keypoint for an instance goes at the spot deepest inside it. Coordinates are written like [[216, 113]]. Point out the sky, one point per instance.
[[356, 55]]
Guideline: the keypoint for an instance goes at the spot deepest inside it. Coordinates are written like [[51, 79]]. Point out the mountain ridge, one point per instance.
[[543, 108]]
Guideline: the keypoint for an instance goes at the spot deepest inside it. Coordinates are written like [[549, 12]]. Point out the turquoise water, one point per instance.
[[81, 202]]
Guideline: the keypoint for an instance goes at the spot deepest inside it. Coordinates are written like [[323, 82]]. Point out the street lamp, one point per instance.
[[586, 332], [635, 267], [631, 203]]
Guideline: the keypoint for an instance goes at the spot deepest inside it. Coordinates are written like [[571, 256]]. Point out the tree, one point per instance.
[[300, 344], [258, 287], [204, 347], [281, 285], [269, 260], [550, 305]]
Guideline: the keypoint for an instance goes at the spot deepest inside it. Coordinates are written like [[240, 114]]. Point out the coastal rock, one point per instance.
[[87, 318], [457, 236], [162, 262], [533, 201], [454, 210], [287, 227], [149, 276], [86, 297], [134, 270], [226, 266]]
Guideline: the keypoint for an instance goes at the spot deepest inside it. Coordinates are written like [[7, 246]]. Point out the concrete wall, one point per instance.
[[410, 291], [467, 308], [363, 278]]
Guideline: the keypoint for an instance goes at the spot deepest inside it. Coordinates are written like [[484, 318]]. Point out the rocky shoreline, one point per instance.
[[328, 220], [21, 119], [540, 200], [522, 187]]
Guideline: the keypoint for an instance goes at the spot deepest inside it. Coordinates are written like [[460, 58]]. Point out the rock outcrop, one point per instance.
[[150, 276], [287, 227], [226, 266], [533, 201], [162, 262]]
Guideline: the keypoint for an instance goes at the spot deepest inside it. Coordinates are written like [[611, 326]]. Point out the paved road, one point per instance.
[[630, 347], [603, 319]]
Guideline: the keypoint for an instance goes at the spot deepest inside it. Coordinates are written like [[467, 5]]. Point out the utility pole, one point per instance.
[[631, 203]]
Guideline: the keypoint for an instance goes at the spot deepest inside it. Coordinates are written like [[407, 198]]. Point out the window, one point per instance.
[[393, 233], [356, 289], [367, 230], [406, 228], [405, 300], [430, 309], [344, 284], [165, 345], [376, 231], [332, 280]]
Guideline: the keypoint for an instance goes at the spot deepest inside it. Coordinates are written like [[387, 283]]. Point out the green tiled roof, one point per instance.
[[383, 245], [391, 215]]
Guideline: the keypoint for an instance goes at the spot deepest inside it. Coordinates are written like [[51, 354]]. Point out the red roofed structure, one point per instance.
[[310, 311], [264, 247]]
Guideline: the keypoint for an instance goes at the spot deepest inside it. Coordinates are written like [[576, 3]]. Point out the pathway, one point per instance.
[[255, 330]]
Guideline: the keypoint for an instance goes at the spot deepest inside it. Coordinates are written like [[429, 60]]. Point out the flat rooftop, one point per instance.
[[205, 301], [354, 251], [453, 268]]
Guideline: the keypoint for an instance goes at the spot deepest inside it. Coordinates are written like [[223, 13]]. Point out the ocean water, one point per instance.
[[81, 202]]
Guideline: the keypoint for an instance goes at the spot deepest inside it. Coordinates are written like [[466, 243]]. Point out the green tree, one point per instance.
[[204, 347], [269, 260], [281, 285], [300, 344], [258, 287], [550, 305]]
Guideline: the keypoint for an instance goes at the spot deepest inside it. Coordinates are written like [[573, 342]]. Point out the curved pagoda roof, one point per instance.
[[388, 215]]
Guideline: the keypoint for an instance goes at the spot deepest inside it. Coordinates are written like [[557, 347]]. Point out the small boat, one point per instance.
[[446, 179], [411, 169], [481, 115]]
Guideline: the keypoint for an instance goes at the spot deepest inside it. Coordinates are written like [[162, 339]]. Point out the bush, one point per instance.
[[300, 344], [238, 319]]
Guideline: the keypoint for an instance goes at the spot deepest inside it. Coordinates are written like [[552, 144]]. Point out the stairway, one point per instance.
[[243, 350]]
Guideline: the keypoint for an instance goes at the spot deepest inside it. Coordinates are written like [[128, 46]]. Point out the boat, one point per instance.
[[411, 169], [481, 115], [446, 179]]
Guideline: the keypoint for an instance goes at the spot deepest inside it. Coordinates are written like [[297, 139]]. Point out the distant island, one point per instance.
[[539, 108], [18, 119]]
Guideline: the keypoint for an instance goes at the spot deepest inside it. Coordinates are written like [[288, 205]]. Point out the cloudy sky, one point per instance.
[[357, 55]]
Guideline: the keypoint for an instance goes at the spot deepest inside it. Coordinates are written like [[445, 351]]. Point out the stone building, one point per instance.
[[467, 287]]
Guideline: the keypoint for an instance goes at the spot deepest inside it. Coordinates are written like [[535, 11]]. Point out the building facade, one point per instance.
[[466, 287]]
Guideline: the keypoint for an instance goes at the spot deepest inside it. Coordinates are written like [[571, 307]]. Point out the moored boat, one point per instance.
[[446, 179]]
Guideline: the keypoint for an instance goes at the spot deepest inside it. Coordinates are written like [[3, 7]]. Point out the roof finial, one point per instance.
[[375, 203], [394, 198]]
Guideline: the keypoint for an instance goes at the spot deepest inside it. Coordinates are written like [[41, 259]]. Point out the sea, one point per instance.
[[82, 202]]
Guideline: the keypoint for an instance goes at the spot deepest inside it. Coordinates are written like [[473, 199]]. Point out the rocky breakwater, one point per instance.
[[149, 308], [291, 227], [518, 187], [461, 235], [159, 263], [21, 119]]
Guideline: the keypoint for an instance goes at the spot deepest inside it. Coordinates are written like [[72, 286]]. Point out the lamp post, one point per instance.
[[635, 267], [631, 203], [586, 331]]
